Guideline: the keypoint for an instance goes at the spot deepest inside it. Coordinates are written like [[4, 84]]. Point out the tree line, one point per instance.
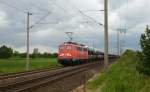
[[7, 52]]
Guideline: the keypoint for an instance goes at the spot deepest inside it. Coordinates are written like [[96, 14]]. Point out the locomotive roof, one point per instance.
[[74, 43], [90, 49]]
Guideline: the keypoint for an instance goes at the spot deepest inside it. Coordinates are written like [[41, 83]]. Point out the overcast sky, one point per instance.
[[64, 16]]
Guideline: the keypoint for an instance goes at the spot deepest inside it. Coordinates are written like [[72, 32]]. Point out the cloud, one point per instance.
[[3, 21], [64, 16]]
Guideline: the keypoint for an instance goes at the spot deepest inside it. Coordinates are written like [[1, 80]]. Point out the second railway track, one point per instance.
[[11, 75], [28, 80]]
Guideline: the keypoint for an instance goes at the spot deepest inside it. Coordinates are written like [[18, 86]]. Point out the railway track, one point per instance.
[[28, 80], [9, 75]]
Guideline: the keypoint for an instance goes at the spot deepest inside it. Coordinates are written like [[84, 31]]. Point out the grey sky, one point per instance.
[[64, 16]]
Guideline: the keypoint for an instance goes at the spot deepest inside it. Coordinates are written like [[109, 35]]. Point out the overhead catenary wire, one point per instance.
[[83, 14], [90, 18], [79, 11], [40, 8], [33, 5], [45, 16], [92, 10], [13, 7], [38, 22], [76, 9], [25, 11], [41, 19], [16, 8], [60, 7]]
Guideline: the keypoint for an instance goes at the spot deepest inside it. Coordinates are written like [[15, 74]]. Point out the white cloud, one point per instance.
[[3, 21], [65, 17]]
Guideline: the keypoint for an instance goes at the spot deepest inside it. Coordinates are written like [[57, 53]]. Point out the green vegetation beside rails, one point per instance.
[[122, 76], [19, 65]]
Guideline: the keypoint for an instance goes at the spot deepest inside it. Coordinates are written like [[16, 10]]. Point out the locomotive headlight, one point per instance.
[[61, 54], [68, 54]]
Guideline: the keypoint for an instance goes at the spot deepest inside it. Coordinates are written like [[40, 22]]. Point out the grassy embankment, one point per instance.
[[122, 76], [19, 65]]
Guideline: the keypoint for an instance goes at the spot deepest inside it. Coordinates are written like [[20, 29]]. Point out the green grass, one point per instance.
[[94, 84], [19, 65], [122, 76]]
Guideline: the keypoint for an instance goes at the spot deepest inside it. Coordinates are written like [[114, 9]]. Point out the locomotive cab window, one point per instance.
[[68, 47], [79, 48], [65, 47], [84, 49]]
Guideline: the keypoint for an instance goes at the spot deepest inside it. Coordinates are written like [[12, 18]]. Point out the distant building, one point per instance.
[[35, 51]]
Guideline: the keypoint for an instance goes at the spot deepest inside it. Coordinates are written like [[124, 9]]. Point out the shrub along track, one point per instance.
[[24, 81]]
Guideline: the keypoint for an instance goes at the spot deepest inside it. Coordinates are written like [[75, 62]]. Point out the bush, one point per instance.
[[5, 52], [144, 56]]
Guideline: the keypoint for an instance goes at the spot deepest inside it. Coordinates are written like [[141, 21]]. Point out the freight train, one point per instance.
[[72, 53]]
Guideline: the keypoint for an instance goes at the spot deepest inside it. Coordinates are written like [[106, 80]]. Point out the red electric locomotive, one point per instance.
[[71, 53]]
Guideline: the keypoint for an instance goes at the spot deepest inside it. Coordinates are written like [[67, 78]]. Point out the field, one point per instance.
[[19, 65], [122, 76]]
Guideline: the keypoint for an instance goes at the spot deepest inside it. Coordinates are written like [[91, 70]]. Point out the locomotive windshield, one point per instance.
[[65, 47]]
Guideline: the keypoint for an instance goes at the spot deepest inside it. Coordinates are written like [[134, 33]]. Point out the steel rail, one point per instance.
[[28, 79], [10, 75]]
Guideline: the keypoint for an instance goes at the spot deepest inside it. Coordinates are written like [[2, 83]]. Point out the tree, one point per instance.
[[54, 55], [46, 55], [22, 55], [16, 54], [5, 52], [144, 63]]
